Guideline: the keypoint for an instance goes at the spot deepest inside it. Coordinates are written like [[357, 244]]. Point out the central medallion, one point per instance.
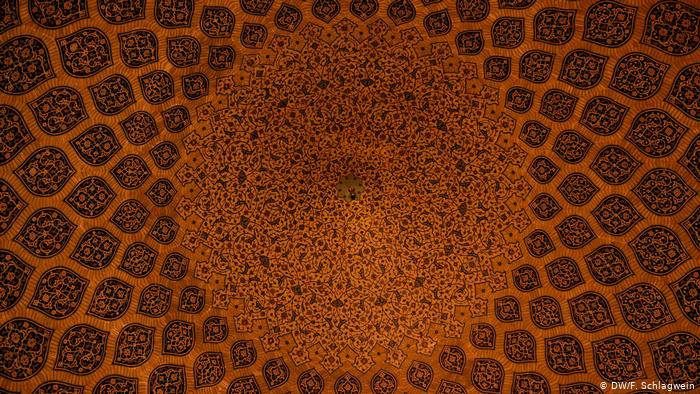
[[276, 196], [350, 188]]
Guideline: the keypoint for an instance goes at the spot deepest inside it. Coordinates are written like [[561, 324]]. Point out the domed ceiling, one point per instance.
[[328, 196]]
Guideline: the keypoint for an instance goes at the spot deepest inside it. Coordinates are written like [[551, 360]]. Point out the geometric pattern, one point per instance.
[[347, 196]]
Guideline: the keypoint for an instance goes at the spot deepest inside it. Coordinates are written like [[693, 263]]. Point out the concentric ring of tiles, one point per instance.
[[530, 173]]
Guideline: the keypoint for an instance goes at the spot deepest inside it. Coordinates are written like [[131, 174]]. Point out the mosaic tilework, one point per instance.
[[176, 215]]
